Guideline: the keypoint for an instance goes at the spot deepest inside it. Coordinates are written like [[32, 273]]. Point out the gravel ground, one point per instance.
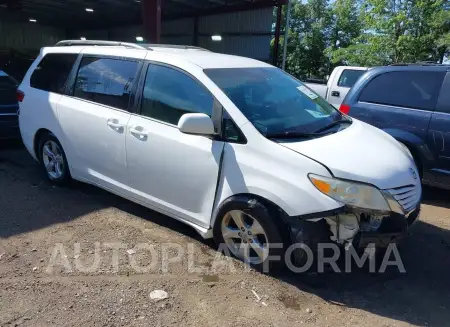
[[57, 267]]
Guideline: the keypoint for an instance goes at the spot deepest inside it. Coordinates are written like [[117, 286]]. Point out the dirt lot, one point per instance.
[[36, 290]]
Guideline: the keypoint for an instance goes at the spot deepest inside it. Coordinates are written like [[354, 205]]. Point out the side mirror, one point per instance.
[[196, 124]]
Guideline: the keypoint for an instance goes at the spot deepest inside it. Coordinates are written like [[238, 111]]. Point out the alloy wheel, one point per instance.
[[53, 160], [245, 237]]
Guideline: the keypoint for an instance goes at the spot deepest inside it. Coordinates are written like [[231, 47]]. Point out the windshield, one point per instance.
[[274, 101]]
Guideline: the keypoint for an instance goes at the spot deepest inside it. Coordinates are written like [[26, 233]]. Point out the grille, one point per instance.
[[408, 196]]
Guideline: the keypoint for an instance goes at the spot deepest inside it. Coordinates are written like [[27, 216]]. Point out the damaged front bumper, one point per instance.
[[353, 226], [361, 228]]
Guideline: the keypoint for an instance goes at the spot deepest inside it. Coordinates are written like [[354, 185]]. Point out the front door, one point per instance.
[[169, 170], [94, 120]]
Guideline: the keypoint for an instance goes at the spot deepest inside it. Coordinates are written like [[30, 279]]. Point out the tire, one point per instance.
[[310, 234], [53, 160], [259, 230]]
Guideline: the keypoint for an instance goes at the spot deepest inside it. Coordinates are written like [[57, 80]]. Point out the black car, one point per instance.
[[412, 104], [9, 125]]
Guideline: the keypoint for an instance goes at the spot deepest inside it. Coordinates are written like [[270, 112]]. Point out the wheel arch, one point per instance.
[[37, 137], [415, 144], [274, 209]]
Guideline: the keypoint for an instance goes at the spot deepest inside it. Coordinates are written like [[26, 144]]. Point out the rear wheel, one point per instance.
[[53, 160]]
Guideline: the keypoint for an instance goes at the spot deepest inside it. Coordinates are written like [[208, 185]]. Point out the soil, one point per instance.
[[57, 249]]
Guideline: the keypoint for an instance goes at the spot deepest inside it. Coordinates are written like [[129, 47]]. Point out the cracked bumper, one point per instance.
[[392, 229], [312, 229]]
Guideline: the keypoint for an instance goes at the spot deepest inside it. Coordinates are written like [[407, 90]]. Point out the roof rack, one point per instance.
[[174, 46], [68, 43]]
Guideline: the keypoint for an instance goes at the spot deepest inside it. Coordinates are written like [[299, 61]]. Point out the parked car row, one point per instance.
[[9, 125], [412, 104], [339, 84], [13, 66], [231, 146]]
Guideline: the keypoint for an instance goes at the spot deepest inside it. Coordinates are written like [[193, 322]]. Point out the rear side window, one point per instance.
[[170, 93], [105, 80], [349, 77], [52, 72], [410, 89]]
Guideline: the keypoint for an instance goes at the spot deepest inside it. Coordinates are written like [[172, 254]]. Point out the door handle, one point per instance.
[[138, 131], [335, 93], [115, 125]]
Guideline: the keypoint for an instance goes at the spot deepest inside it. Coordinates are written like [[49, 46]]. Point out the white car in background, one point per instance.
[[339, 83], [234, 147]]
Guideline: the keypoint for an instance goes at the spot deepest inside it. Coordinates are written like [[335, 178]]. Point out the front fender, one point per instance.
[[274, 173]]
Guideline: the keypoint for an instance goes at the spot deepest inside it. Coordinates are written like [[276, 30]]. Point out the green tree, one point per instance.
[[441, 30], [364, 33], [346, 26], [316, 37], [308, 39], [396, 31]]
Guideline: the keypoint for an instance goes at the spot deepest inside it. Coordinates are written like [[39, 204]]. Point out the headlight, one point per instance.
[[351, 193]]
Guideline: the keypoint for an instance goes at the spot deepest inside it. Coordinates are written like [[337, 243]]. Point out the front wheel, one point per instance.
[[247, 229], [53, 160]]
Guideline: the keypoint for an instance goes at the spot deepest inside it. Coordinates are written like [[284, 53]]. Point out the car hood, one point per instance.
[[362, 153]]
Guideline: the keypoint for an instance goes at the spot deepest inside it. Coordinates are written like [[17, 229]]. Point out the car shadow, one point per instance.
[[436, 197], [10, 144], [31, 202], [420, 296], [28, 201]]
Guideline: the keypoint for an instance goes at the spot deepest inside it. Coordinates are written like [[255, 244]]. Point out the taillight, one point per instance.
[[20, 95], [345, 108]]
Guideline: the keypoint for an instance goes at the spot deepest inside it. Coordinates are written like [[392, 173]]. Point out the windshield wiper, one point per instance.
[[336, 122], [291, 134]]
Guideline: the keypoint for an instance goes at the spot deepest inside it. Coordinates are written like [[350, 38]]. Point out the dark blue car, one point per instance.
[[412, 104], [9, 125]]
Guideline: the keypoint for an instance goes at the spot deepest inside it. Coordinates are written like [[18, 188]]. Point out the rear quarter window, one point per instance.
[[52, 72], [106, 81], [409, 89]]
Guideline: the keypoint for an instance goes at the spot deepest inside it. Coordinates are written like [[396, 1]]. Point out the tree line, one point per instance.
[[324, 34]]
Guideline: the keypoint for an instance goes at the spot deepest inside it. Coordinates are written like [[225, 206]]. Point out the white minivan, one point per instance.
[[234, 147]]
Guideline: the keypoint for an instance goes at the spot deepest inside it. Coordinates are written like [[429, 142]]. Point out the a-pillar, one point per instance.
[[151, 18], [277, 36]]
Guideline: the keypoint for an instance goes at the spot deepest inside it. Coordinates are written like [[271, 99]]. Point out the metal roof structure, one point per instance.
[[107, 13]]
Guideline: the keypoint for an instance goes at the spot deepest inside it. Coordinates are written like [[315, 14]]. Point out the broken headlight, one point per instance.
[[354, 194]]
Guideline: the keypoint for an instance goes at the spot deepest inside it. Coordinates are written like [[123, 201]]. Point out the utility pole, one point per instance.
[[286, 34]]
